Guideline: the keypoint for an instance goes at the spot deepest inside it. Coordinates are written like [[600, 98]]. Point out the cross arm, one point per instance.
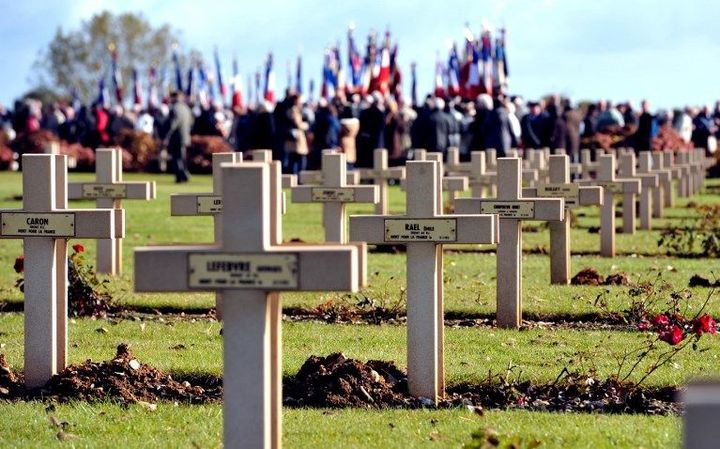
[[70, 223], [388, 173], [465, 229], [617, 185], [281, 268], [140, 190], [543, 209], [315, 177], [347, 194], [187, 204], [586, 195], [649, 180], [289, 181], [455, 183]]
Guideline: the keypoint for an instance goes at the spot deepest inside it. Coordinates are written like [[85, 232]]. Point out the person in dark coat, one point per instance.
[[531, 126], [178, 136], [326, 132], [572, 120], [421, 124], [371, 133], [483, 108], [439, 128], [262, 129], [644, 133], [496, 129]]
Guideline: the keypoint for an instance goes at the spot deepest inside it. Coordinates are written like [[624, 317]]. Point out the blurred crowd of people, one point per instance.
[[297, 131]]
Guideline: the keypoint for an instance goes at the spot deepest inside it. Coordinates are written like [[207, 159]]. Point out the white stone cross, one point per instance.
[[645, 167], [589, 168], [513, 208], [668, 159], [612, 186], [380, 174], [453, 164], [45, 224], [648, 184], [288, 180], [652, 162], [250, 271], [453, 185], [333, 194], [482, 182], [424, 229], [574, 196], [108, 191], [491, 159], [683, 173]]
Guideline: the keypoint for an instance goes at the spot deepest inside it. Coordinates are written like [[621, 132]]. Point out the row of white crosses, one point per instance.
[[45, 223]]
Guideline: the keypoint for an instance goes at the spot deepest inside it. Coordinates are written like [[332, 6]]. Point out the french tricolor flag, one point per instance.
[[269, 93]]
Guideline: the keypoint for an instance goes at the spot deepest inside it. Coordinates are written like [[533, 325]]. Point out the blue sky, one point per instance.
[[664, 50]]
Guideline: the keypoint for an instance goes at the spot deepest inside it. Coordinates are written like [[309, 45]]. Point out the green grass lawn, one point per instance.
[[470, 352]]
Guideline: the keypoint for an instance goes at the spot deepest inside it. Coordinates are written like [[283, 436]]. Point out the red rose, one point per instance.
[[704, 324], [643, 325], [78, 248], [19, 264], [672, 336], [661, 320]]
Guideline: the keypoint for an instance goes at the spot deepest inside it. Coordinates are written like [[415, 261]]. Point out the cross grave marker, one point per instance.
[[108, 191], [652, 162], [611, 186], [334, 193], [648, 183], [574, 196], [512, 208], [45, 224], [380, 174], [250, 270], [424, 229]]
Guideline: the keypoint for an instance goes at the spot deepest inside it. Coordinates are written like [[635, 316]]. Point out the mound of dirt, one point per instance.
[[588, 276], [618, 279], [11, 384], [336, 381], [591, 276], [699, 281], [126, 380]]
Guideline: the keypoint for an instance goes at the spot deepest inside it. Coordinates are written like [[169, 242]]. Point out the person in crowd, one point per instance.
[[682, 123], [440, 127], [609, 119], [295, 146], [496, 129], [573, 121], [263, 128], [326, 132], [703, 128], [372, 130], [178, 135], [483, 108], [646, 128], [532, 126], [589, 127]]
